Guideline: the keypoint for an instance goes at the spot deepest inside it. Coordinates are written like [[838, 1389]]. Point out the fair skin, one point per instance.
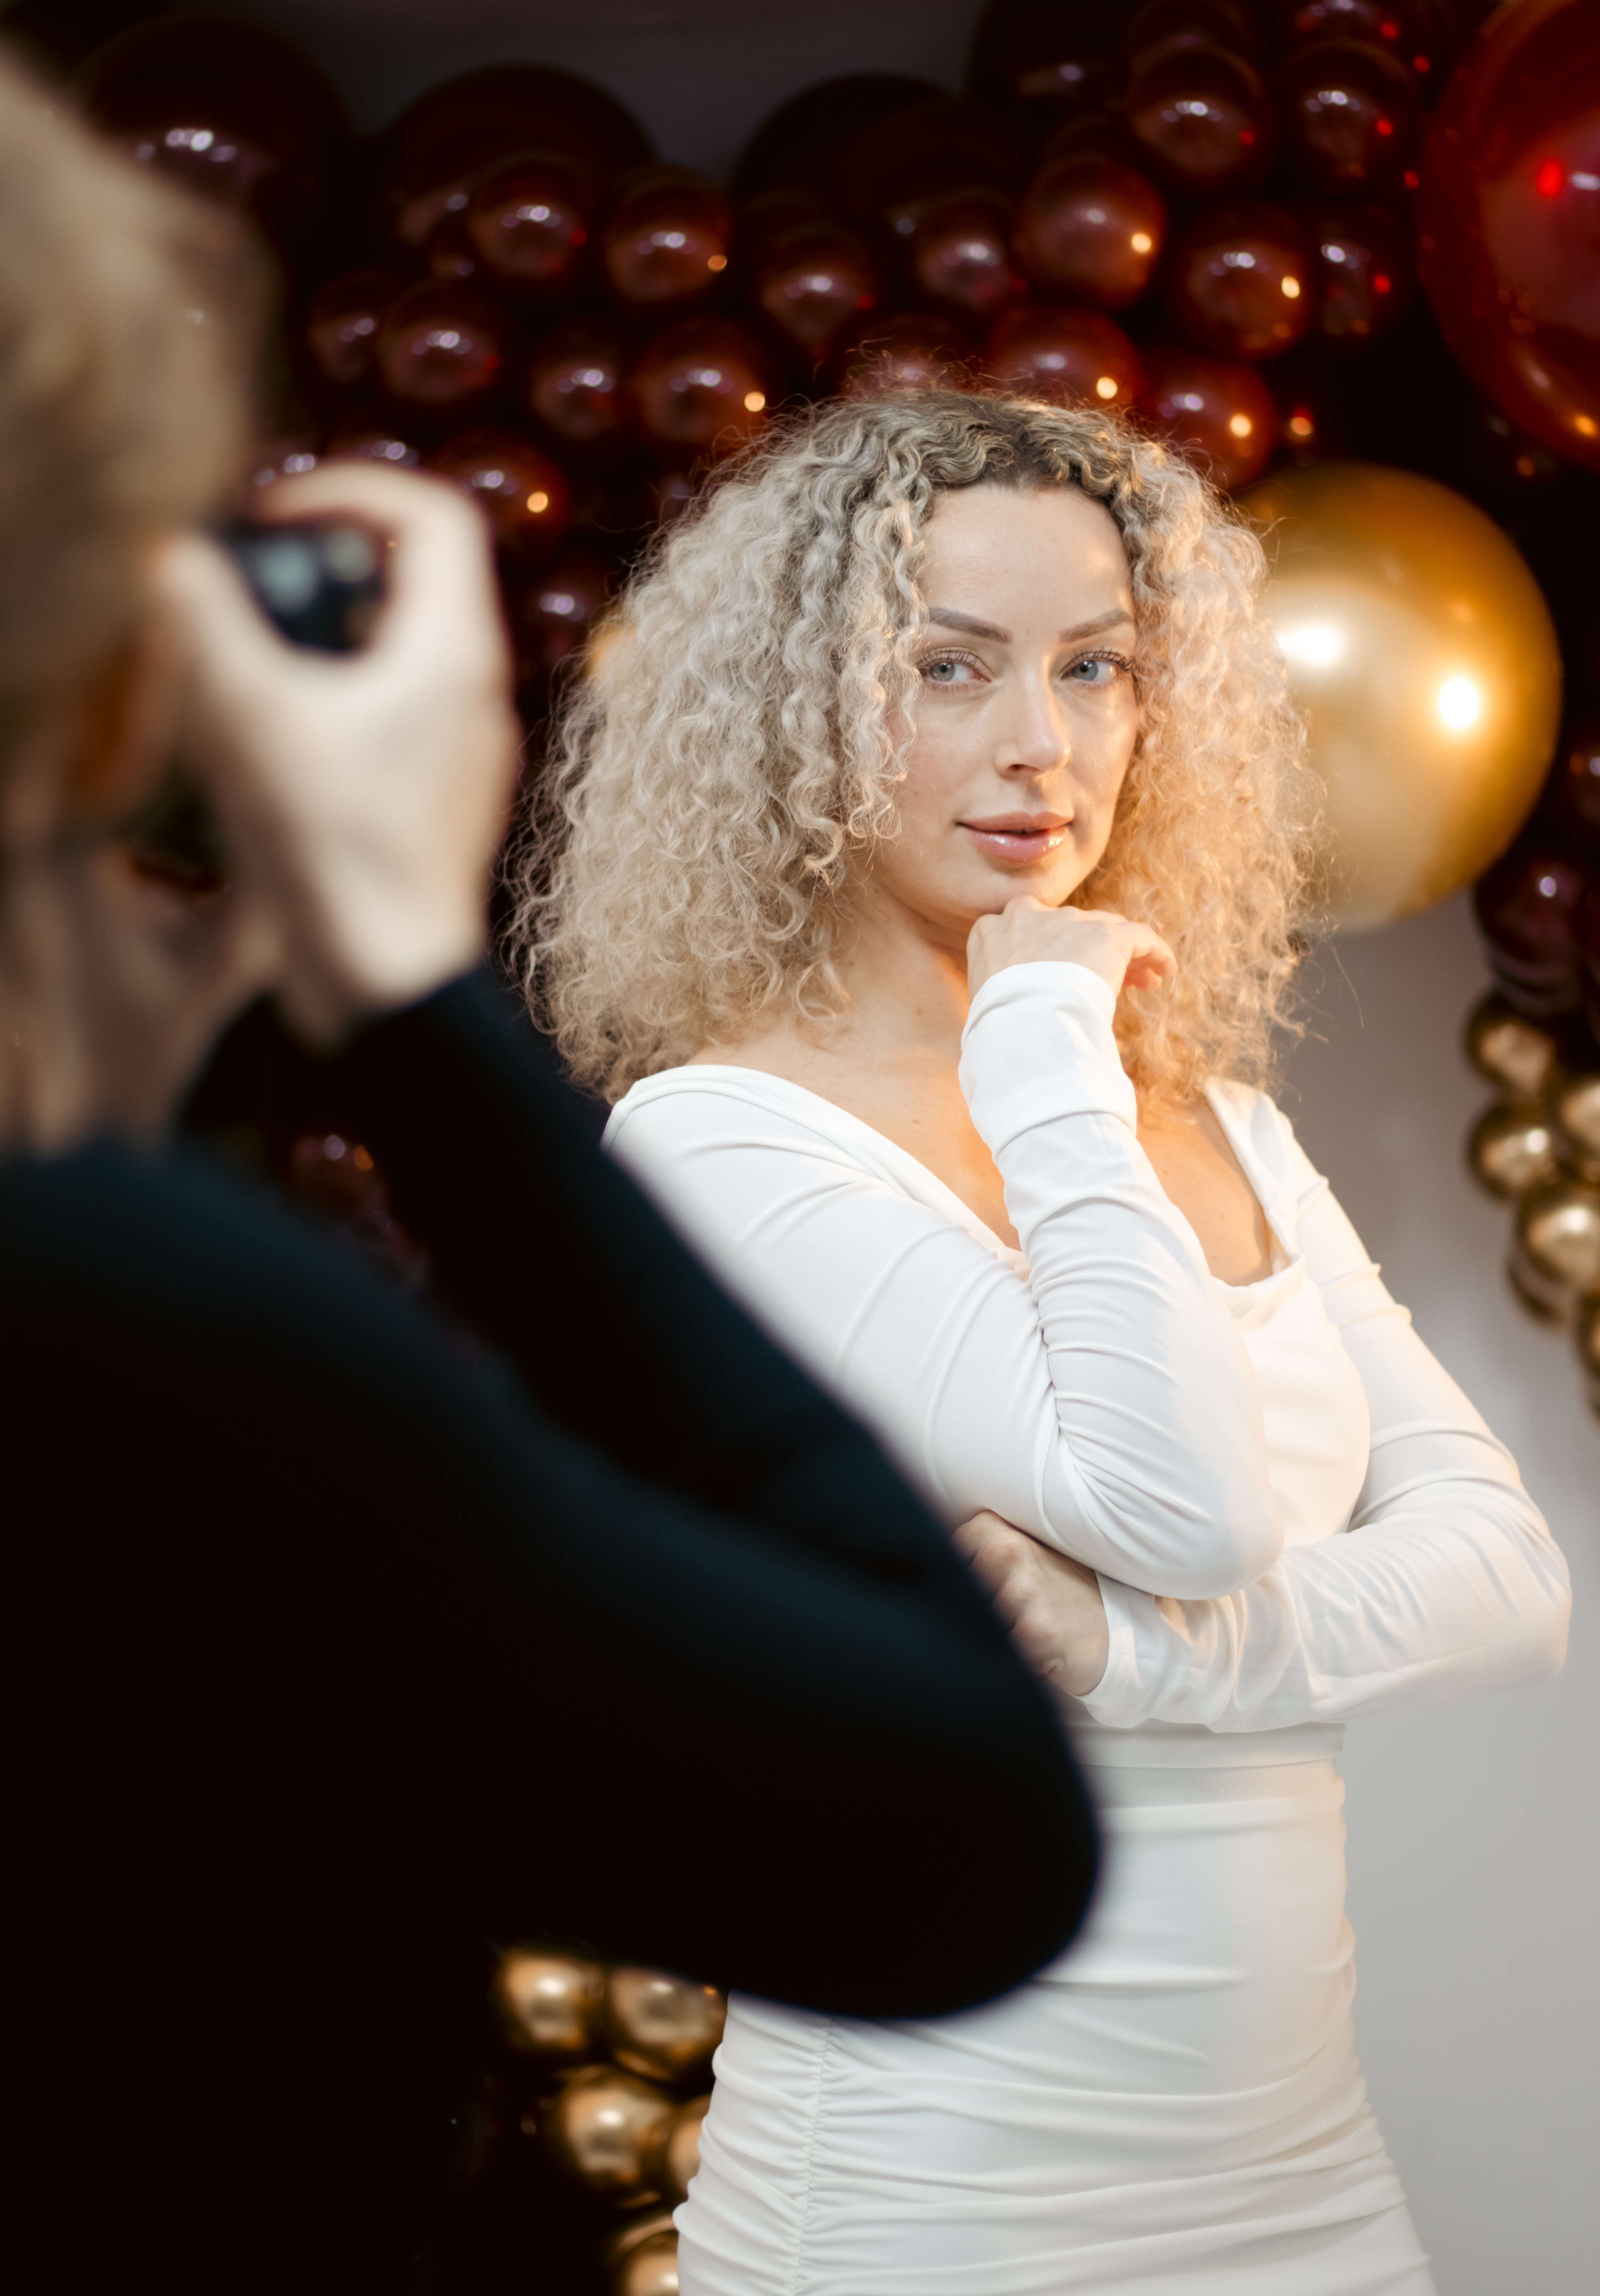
[[361, 800], [1025, 728]]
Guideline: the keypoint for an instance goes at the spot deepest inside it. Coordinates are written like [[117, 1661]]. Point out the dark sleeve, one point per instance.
[[349, 1585]]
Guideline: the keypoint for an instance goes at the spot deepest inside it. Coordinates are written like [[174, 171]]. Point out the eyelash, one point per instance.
[[1119, 661]]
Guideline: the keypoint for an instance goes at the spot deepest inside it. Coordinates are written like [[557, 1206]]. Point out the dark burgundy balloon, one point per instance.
[[1310, 419], [227, 110], [956, 253], [1044, 59], [815, 280], [1508, 224], [1218, 412], [1417, 33], [552, 612], [1363, 274], [441, 347], [803, 142], [1091, 231], [1351, 119], [906, 351], [293, 456], [1586, 936], [1073, 357], [523, 492], [530, 222], [665, 242], [450, 253], [1525, 909], [700, 385], [1239, 281], [1573, 795], [377, 446], [1161, 27], [576, 382], [1203, 121], [929, 150], [342, 327]]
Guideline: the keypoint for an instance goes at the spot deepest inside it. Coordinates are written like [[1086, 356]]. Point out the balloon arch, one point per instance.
[[1216, 215]]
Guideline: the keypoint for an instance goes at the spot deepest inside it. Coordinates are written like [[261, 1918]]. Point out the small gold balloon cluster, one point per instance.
[[1538, 1146], [621, 2062]]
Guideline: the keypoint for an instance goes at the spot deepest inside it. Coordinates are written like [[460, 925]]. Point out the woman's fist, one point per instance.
[[1052, 1604], [1124, 955]]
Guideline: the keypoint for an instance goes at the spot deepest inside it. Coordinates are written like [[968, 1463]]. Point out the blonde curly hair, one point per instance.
[[729, 758]]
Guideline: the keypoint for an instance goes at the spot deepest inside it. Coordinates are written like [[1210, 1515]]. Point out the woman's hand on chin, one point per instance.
[[1052, 1606], [1124, 955]]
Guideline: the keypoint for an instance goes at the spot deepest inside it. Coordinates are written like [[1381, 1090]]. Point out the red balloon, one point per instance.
[[1202, 120], [1525, 906], [1350, 118], [1161, 27], [814, 280], [1509, 220], [1045, 60], [908, 351], [1310, 420], [1220, 414], [1070, 358], [441, 347], [529, 223], [1091, 230], [957, 253], [665, 245], [342, 327], [700, 385], [576, 383], [552, 614], [450, 252], [1417, 33], [523, 492], [1240, 281], [1363, 274]]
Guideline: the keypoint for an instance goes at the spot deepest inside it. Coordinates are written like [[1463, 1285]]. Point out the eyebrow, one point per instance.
[[950, 620]]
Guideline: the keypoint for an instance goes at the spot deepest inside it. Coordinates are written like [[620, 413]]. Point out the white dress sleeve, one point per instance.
[[1446, 1582], [1105, 1402]]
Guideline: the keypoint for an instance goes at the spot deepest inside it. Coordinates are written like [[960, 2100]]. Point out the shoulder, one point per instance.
[[705, 1106]]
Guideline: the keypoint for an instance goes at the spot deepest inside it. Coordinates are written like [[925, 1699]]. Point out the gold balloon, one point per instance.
[[1588, 1346], [679, 2155], [548, 2003], [1510, 1050], [605, 2128], [664, 2027], [1555, 1254], [1511, 1149], [1572, 1096], [649, 2268], [1425, 658]]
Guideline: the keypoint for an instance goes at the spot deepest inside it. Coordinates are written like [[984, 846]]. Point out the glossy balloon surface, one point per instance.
[[1202, 120], [1572, 1097], [1350, 118], [1363, 274], [699, 385], [1419, 645], [956, 253], [524, 495], [1511, 1149], [662, 2026], [1574, 792], [1509, 220], [342, 327], [551, 615], [1045, 61], [815, 280], [576, 383], [1158, 27], [603, 2129], [1091, 231], [548, 2004], [1556, 1255], [1514, 1052], [1070, 358], [441, 347], [665, 243], [376, 444], [530, 222], [1526, 907], [1239, 281], [679, 2156], [650, 2269], [1218, 410]]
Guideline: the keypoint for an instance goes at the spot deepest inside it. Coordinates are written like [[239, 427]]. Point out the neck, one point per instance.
[[907, 980]]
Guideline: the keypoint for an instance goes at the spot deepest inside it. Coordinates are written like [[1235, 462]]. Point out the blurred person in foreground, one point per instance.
[[346, 1637]]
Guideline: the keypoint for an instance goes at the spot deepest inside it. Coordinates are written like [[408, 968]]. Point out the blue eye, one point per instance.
[[946, 668], [1105, 668]]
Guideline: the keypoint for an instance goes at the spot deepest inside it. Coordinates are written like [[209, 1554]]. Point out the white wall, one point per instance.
[[1474, 1832], [1474, 1875]]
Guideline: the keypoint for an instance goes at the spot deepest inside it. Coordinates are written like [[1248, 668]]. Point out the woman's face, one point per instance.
[[1027, 717]]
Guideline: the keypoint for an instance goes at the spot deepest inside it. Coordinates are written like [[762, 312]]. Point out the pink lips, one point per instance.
[[1018, 838]]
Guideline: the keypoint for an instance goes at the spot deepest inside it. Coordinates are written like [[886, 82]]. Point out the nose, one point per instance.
[[1036, 738]]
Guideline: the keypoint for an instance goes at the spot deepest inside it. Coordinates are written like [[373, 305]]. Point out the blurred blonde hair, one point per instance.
[[729, 758], [126, 318]]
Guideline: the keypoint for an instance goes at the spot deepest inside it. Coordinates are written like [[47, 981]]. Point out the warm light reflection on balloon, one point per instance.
[[1424, 654]]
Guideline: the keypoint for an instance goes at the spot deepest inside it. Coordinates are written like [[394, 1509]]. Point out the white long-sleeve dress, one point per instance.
[[1296, 1517]]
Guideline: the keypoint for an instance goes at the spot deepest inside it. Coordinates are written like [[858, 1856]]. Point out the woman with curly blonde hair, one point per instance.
[[932, 841]]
